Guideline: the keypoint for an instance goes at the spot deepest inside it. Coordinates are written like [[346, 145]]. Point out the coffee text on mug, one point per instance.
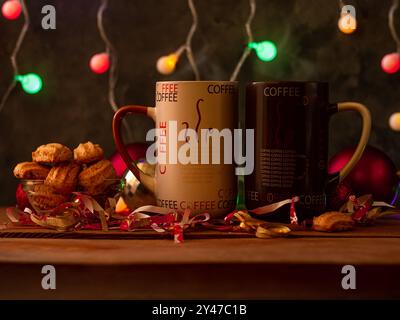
[[168, 93], [282, 92]]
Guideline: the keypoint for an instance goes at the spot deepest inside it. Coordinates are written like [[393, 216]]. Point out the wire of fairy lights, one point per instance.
[[393, 32], [31, 83], [249, 33], [265, 50], [107, 61], [391, 62], [111, 53], [166, 64]]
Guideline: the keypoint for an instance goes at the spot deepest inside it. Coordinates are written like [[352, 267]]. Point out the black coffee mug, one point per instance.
[[291, 123]]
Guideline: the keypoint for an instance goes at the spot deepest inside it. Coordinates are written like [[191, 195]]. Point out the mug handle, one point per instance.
[[116, 128], [366, 129]]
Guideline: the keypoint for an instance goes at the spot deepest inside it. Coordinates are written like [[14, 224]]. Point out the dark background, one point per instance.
[[73, 107]]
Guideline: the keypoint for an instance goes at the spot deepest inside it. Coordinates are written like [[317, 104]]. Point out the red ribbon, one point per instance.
[[270, 208], [91, 216]]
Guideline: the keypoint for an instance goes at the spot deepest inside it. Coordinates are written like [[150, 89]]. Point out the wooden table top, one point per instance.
[[379, 244], [379, 251], [374, 249]]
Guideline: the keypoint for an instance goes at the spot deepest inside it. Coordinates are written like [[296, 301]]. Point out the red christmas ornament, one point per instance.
[[21, 197], [374, 174], [11, 9], [136, 151], [100, 63], [391, 62], [339, 195]]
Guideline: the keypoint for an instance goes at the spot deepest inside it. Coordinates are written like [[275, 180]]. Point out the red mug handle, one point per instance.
[[116, 128]]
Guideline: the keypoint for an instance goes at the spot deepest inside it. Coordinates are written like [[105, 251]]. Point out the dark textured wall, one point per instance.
[[73, 104]]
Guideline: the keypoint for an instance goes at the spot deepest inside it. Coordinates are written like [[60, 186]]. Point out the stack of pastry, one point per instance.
[[61, 172]]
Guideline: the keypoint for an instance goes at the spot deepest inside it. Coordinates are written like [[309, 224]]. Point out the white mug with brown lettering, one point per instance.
[[188, 108]]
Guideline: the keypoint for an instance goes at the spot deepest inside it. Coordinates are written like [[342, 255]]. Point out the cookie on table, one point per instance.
[[52, 153], [31, 170], [333, 221], [45, 197], [96, 178], [63, 177], [88, 152]]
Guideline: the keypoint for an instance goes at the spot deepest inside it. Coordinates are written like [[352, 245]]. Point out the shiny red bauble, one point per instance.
[[339, 195], [374, 174], [136, 151]]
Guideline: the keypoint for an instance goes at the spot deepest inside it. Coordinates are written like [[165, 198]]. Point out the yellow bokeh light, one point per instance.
[[166, 64], [394, 121], [347, 24]]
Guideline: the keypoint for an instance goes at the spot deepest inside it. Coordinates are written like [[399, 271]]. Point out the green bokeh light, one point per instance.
[[31, 83], [265, 50]]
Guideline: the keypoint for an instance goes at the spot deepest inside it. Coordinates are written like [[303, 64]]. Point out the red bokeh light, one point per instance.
[[11, 9], [100, 63], [391, 63]]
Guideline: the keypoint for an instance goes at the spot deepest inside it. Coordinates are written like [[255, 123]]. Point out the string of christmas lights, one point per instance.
[[107, 61], [390, 63], [392, 28], [167, 64], [247, 49], [100, 62], [265, 50], [31, 83]]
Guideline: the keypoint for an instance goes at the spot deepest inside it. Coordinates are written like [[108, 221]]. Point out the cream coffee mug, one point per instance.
[[184, 109]]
